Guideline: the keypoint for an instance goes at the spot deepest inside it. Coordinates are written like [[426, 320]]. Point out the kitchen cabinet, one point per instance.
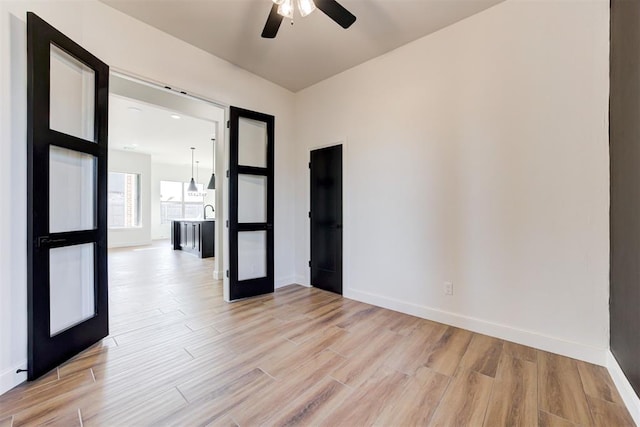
[[196, 236]]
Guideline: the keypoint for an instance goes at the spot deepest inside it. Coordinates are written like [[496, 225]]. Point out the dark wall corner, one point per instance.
[[624, 153]]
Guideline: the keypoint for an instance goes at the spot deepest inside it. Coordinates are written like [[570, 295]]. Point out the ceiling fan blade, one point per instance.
[[336, 11], [272, 25]]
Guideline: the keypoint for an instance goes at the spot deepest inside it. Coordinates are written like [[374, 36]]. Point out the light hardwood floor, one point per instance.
[[179, 355]]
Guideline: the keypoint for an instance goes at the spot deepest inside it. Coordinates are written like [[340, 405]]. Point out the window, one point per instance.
[[124, 200], [175, 202]]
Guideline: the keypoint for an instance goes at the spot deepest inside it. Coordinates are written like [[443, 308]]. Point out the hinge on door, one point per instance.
[[309, 264], [228, 124], [227, 223], [227, 274], [309, 214], [227, 173], [309, 165]]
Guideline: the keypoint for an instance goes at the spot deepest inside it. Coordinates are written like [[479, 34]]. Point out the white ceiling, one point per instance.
[[151, 130], [313, 49]]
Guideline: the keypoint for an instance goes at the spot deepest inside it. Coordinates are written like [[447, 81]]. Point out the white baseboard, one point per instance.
[[9, 378], [284, 281], [217, 275], [551, 344], [629, 396], [128, 244], [300, 280]]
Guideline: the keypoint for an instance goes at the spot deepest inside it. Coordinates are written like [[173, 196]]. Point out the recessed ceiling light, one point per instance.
[[134, 109], [175, 116]]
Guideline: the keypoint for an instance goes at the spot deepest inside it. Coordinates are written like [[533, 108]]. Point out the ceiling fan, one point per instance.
[[285, 8]]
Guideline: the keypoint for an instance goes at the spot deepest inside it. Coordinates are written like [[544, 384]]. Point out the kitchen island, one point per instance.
[[193, 235]]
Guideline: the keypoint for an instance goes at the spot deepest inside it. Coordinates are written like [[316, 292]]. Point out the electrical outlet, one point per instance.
[[448, 288]]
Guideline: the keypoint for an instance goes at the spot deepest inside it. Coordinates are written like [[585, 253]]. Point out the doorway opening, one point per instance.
[[165, 239], [160, 141]]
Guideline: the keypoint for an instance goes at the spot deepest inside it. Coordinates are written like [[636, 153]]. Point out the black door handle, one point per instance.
[[48, 241]]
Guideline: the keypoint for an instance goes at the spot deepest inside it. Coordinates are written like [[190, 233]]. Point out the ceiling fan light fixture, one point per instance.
[[286, 9], [306, 7], [281, 9]]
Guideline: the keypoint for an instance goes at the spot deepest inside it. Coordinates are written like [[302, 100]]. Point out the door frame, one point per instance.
[[346, 215]]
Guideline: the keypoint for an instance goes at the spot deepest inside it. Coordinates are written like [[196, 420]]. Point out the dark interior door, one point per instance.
[[251, 157], [326, 218], [68, 91]]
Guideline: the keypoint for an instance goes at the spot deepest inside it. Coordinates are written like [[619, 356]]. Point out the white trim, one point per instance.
[[629, 396], [300, 280], [284, 281], [533, 339], [133, 244], [217, 275], [9, 378], [339, 141], [223, 198], [119, 72]]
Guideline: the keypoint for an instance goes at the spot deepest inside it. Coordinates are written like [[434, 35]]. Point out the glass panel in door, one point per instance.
[[252, 198], [72, 190], [71, 276], [252, 143], [72, 96], [252, 255]]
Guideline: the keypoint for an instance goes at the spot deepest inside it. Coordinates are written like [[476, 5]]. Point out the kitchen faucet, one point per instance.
[[205, 210]]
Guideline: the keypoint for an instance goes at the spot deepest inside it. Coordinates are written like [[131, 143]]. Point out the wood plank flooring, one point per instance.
[[179, 355]]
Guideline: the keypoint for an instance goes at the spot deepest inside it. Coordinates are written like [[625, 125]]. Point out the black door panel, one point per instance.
[[251, 202], [67, 165], [326, 218]]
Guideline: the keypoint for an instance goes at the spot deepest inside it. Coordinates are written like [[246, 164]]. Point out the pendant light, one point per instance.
[[192, 185], [212, 181]]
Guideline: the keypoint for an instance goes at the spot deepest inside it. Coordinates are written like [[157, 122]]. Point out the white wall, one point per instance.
[[166, 172], [477, 155], [139, 49], [13, 205], [136, 163]]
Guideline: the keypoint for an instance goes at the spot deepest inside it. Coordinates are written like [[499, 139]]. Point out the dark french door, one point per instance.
[[68, 90], [251, 158], [326, 218]]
